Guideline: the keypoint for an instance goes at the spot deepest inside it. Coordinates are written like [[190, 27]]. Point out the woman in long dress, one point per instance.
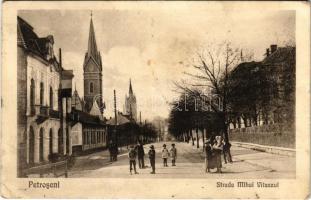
[[217, 149]]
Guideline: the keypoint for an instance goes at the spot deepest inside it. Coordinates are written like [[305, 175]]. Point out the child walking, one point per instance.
[[132, 157], [165, 155], [151, 154], [173, 153]]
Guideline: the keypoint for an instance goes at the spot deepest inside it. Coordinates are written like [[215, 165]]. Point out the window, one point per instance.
[[32, 92], [41, 144], [51, 98], [31, 147], [41, 93], [51, 142], [60, 141], [91, 87]]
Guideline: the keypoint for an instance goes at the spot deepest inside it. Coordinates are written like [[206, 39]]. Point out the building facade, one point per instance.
[[40, 106], [263, 93]]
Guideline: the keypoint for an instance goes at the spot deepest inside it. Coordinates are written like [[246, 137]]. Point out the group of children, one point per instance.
[[152, 154]]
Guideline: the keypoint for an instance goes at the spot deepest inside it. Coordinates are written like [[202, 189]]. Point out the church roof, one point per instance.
[[130, 89], [92, 52]]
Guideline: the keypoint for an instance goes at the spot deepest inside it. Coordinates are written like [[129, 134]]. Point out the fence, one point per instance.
[[280, 135]]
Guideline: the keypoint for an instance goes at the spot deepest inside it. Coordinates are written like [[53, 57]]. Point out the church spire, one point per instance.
[[130, 90], [92, 47]]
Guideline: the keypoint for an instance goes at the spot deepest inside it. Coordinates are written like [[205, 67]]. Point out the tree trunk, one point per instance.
[[197, 135], [192, 138], [203, 138]]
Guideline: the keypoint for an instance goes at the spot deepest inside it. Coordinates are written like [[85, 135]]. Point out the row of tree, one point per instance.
[[130, 133], [223, 87]]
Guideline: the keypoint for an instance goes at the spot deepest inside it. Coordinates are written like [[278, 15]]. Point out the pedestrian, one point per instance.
[[173, 153], [208, 156], [110, 148], [115, 152], [151, 154], [141, 155], [217, 149], [165, 155], [226, 151], [132, 158]]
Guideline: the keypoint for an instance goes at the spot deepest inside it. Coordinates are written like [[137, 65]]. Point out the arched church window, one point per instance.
[[91, 87]]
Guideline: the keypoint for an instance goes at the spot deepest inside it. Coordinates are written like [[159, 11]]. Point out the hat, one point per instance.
[[151, 146], [173, 144]]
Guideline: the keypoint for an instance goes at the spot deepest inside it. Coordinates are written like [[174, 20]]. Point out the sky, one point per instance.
[[150, 45]]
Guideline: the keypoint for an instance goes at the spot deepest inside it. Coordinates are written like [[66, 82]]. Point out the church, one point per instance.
[[130, 107], [89, 129]]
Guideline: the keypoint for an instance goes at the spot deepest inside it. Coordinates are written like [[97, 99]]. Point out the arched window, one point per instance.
[[31, 147], [51, 98], [41, 93], [41, 144], [60, 141], [51, 142], [91, 87]]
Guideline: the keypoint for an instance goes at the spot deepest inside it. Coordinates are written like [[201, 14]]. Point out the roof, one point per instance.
[[121, 119], [86, 118], [29, 40], [130, 89], [244, 67], [282, 54], [76, 101], [67, 74], [92, 52]]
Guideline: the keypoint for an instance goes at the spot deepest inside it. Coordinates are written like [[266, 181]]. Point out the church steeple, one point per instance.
[[92, 47], [130, 89], [92, 74], [92, 51]]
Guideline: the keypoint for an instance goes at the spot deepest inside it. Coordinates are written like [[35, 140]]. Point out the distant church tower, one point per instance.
[[130, 104], [92, 73]]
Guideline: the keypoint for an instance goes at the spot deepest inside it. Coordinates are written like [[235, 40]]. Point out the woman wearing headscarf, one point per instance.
[[217, 149]]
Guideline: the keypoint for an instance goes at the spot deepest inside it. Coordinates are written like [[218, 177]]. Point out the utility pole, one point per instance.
[[115, 118]]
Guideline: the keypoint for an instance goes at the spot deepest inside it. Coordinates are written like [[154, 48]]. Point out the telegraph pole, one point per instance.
[[115, 118]]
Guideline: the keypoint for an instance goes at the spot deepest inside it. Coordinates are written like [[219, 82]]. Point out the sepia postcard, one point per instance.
[[139, 99]]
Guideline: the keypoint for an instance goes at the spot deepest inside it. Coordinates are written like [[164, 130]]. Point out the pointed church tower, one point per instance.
[[130, 104], [92, 69]]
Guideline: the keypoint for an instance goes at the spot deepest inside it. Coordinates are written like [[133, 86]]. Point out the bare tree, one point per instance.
[[209, 70]]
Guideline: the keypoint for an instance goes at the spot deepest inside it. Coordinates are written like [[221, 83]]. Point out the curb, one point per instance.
[[269, 149]]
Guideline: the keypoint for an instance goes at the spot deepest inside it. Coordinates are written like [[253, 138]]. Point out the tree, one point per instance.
[[210, 69]]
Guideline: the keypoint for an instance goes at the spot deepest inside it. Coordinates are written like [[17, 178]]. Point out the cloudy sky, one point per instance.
[[150, 45]]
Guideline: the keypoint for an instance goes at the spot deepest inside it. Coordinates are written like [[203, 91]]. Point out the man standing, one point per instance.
[[110, 148], [151, 154], [132, 158], [141, 155], [173, 153]]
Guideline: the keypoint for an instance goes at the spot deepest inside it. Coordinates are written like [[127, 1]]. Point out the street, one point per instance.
[[190, 164]]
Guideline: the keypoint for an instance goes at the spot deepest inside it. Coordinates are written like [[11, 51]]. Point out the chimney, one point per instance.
[[267, 52], [273, 48]]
